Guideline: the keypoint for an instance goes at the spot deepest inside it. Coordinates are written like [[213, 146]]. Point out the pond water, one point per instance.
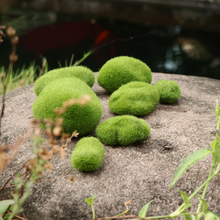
[[164, 49]]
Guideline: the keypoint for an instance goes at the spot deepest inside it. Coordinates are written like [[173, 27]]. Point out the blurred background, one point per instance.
[[172, 36]]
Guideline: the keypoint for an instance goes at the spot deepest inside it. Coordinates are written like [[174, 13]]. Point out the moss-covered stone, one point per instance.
[[80, 118], [122, 130], [81, 72], [121, 70], [169, 91], [88, 154], [134, 98]]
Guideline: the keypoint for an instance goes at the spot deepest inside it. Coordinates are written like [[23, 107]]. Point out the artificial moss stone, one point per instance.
[[122, 130], [121, 70], [81, 72], [169, 91], [88, 154], [134, 98], [80, 118]]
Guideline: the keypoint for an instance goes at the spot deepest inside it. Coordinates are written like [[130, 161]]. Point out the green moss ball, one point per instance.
[[169, 91], [121, 70], [80, 118], [88, 154], [122, 130], [134, 98], [81, 72]]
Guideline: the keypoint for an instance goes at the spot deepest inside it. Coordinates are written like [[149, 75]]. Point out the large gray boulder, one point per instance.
[[139, 172]]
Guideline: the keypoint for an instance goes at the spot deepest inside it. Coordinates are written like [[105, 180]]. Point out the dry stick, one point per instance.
[[3, 105], [12, 177], [121, 217], [17, 216], [15, 146]]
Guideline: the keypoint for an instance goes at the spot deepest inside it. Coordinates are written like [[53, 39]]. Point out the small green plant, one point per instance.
[[182, 210], [122, 130], [122, 70]]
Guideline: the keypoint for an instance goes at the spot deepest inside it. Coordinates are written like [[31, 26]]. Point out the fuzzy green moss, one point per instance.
[[88, 154], [134, 98], [169, 91], [121, 70], [122, 130], [83, 119], [81, 72]]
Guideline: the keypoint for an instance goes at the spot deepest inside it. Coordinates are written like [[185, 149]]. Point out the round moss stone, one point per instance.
[[121, 70], [169, 91], [134, 98], [122, 130], [81, 72], [80, 118], [88, 154]]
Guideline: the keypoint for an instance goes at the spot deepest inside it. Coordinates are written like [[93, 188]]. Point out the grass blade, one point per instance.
[[188, 162], [144, 210]]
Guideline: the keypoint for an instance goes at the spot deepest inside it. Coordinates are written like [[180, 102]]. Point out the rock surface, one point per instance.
[[139, 172]]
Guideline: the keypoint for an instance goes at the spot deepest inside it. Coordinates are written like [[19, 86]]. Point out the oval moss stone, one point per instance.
[[122, 130], [169, 91], [81, 72], [88, 154], [80, 118], [121, 70], [134, 98]]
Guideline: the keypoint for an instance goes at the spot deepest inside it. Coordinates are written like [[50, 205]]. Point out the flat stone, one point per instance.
[[139, 172]]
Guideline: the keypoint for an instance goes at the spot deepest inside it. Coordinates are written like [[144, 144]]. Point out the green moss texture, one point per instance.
[[88, 154], [169, 91], [81, 72], [80, 118], [122, 130], [134, 98], [121, 70]]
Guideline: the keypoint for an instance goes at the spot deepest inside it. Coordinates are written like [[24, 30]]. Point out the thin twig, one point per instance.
[[19, 217], [3, 105], [12, 177], [121, 217]]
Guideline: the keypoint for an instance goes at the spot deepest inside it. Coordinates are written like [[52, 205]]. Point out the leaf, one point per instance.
[[5, 204], [188, 162], [188, 216], [217, 152], [90, 200], [204, 204], [213, 145], [211, 216], [144, 209], [187, 203]]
